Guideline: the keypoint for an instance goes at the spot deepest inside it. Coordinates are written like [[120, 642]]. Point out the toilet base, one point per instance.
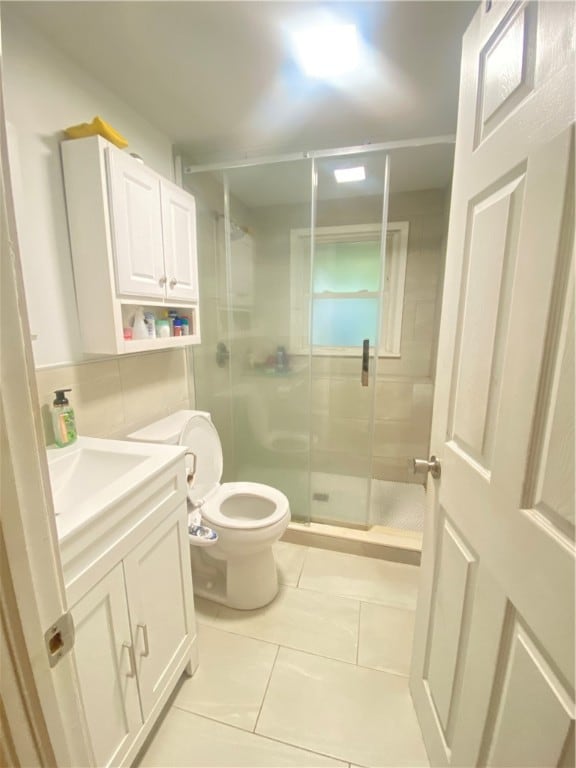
[[245, 583]]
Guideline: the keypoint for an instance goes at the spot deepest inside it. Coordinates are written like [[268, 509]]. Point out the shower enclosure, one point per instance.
[[319, 302]]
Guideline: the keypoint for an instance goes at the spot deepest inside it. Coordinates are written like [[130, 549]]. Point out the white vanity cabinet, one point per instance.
[[133, 239], [157, 573], [128, 581], [105, 664]]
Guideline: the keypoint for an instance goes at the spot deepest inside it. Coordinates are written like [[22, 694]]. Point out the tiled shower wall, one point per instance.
[[115, 396]]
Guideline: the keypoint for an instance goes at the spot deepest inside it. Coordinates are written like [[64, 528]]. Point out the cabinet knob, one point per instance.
[[163, 280], [173, 282]]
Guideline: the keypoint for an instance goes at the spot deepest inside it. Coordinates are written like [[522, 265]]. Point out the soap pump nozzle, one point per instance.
[[61, 398]]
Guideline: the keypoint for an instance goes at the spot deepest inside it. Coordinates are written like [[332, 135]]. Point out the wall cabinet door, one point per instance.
[[105, 663], [136, 226], [179, 233], [161, 603]]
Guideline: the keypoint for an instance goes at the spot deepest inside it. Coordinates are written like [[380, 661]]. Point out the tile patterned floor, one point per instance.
[[317, 678]]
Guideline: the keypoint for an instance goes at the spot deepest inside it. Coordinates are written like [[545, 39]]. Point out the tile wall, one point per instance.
[[115, 396]]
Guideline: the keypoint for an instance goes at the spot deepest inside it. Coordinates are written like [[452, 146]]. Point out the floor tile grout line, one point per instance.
[[302, 567], [261, 735], [310, 653], [266, 690], [306, 650], [275, 642], [357, 597], [358, 633]]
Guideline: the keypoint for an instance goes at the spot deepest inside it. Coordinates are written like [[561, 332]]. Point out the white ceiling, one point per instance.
[[218, 77]]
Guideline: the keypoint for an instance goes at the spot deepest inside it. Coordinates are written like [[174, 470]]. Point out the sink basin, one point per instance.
[[80, 474], [93, 474]]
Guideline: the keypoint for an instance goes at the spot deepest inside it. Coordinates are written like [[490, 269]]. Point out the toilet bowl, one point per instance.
[[238, 569]]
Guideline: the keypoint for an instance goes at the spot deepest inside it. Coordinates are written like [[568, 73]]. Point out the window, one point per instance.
[[345, 289]]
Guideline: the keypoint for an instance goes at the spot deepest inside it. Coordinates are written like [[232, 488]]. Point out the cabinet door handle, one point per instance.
[[163, 280], [144, 628], [130, 650], [173, 282]]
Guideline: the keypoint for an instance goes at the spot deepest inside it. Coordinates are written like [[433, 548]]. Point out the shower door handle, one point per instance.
[[365, 362]]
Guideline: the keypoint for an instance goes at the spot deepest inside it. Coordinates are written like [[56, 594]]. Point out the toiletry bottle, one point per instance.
[[150, 320], [139, 327], [281, 359], [63, 420]]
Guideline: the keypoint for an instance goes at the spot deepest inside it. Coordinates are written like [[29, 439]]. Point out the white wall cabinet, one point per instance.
[[133, 238], [130, 587], [179, 233]]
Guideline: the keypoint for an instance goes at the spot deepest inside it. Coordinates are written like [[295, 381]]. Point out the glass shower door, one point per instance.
[[344, 319], [269, 372]]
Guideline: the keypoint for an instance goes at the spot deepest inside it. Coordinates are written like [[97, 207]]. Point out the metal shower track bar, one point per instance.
[[318, 153]]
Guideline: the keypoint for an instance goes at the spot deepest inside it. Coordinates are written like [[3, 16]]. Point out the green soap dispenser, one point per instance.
[[63, 420]]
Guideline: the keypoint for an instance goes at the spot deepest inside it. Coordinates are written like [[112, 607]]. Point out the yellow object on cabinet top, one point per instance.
[[97, 127]]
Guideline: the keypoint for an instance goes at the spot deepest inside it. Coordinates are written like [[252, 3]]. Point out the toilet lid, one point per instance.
[[199, 435]]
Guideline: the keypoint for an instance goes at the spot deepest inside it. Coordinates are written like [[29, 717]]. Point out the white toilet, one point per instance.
[[238, 569]]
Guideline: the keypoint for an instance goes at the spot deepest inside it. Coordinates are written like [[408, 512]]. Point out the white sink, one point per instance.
[[92, 474]]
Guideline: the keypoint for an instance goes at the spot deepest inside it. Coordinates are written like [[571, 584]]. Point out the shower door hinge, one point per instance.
[[59, 638]]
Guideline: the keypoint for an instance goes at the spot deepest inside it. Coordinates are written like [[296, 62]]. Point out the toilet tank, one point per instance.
[[166, 430]]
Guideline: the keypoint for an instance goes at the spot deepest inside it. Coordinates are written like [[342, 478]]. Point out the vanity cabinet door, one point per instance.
[[179, 235], [105, 664], [136, 226], [159, 588]]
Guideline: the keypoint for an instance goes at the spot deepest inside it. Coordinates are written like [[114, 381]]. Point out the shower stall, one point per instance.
[[320, 306]]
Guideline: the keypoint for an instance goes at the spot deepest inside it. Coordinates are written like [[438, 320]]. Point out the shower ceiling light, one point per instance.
[[344, 175], [326, 51]]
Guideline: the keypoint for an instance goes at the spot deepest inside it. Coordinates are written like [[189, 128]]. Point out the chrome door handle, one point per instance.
[[422, 466], [365, 362], [173, 282], [144, 628], [130, 650], [163, 280]]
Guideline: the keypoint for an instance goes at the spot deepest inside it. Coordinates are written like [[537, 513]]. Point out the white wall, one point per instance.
[[45, 92]]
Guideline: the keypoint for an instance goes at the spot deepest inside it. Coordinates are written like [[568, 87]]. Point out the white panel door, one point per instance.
[[136, 224], [493, 668], [105, 663], [179, 231], [159, 586]]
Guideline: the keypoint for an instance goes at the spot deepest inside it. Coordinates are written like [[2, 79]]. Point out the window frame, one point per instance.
[[395, 261]]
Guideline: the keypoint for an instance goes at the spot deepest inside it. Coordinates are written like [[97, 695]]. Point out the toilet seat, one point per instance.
[[245, 505], [237, 506]]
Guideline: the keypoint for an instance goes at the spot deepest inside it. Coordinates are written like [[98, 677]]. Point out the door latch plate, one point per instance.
[[59, 638]]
